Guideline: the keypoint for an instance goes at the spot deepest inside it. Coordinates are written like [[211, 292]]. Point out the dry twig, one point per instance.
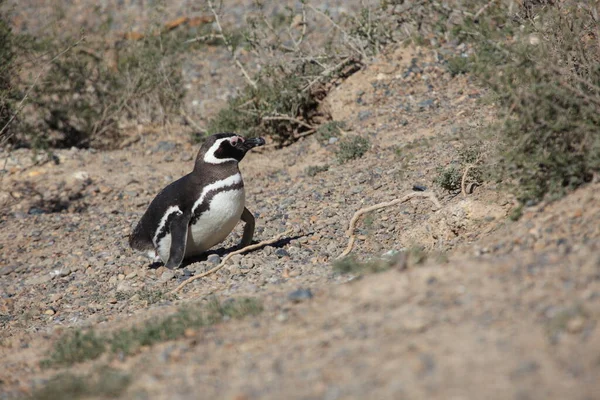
[[353, 46], [230, 47], [464, 179], [21, 104], [287, 118], [228, 256], [356, 216]]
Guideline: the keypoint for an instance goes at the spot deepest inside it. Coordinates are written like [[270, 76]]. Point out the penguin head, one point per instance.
[[227, 147]]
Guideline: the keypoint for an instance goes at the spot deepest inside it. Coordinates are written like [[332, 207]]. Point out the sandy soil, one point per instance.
[[500, 309]]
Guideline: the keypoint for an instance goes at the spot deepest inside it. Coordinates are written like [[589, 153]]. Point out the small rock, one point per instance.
[[167, 276], [236, 259], [112, 300], [300, 295], [419, 188], [121, 277], [165, 146], [50, 311], [7, 270], [186, 157], [332, 140], [362, 115], [282, 253], [37, 280], [214, 259], [131, 275], [425, 104], [189, 333], [575, 325], [60, 272], [56, 297], [281, 317]]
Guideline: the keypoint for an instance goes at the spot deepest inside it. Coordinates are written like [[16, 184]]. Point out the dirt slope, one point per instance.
[[509, 311]]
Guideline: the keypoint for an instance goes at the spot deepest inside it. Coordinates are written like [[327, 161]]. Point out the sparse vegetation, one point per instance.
[[7, 71], [150, 296], [414, 255], [80, 346], [469, 157], [80, 89], [449, 178], [350, 265], [105, 382], [458, 65], [352, 147], [329, 130], [313, 170], [542, 63], [75, 347]]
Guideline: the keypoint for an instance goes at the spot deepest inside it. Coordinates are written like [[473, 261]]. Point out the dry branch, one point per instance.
[[356, 216], [287, 118], [464, 179], [228, 256], [347, 37], [230, 47]]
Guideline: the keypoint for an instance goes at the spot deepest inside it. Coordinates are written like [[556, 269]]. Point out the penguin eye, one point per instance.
[[234, 141]]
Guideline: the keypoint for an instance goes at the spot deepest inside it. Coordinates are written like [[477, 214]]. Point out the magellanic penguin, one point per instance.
[[198, 211]]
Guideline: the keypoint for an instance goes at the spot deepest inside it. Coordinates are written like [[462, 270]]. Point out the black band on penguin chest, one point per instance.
[[205, 205], [200, 209]]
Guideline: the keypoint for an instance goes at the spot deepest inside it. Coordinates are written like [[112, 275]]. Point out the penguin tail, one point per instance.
[[138, 241]]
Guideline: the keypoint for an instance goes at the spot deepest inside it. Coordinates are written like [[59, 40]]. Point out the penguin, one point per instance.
[[199, 210]]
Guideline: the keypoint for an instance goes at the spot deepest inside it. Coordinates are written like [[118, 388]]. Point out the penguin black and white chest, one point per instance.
[[199, 210]]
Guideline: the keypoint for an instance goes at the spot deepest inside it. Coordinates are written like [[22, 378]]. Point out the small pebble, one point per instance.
[[300, 295], [214, 259], [282, 253]]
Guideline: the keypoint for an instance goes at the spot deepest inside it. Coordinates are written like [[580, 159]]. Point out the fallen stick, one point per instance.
[[464, 180], [227, 257], [356, 216]]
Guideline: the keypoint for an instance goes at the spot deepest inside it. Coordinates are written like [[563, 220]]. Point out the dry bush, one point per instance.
[[543, 63], [80, 89], [7, 56]]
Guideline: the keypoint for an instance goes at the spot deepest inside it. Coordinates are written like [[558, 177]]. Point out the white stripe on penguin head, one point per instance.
[[210, 158]]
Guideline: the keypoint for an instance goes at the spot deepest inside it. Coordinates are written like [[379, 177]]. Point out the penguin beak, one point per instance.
[[253, 142]]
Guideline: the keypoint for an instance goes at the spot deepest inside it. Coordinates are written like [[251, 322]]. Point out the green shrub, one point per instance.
[[350, 265], [352, 147], [278, 107], [458, 65], [7, 58], [75, 347], [313, 170], [105, 383], [449, 178], [81, 346], [543, 63], [82, 98]]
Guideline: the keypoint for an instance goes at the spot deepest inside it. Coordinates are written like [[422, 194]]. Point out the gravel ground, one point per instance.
[[500, 309]]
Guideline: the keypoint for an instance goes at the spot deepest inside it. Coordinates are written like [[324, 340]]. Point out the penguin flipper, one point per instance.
[[179, 232], [248, 218]]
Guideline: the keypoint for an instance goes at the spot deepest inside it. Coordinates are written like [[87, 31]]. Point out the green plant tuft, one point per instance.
[[542, 62], [105, 383], [314, 170], [352, 147], [78, 346], [350, 265]]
